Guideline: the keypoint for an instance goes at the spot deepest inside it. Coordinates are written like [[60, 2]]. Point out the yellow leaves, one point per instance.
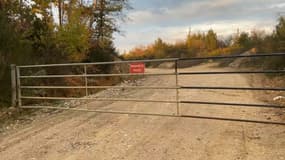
[[36, 10], [224, 51]]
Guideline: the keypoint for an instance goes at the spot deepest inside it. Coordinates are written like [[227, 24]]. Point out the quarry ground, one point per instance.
[[73, 135]]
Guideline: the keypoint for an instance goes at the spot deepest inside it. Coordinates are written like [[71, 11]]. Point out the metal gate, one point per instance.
[[17, 86]]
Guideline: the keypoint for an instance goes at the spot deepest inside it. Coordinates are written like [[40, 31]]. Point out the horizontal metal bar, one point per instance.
[[158, 115], [156, 60], [233, 88], [233, 120], [155, 101], [97, 87], [234, 72], [99, 75], [233, 104], [96, 99], [234, 56], [152, 87], [100, 63], [154, 74], [98, 111]]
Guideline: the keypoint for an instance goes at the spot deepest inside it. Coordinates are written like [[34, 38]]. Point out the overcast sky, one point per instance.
[[171, 19]]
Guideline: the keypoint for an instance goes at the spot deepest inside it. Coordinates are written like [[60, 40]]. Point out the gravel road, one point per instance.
[[87, 136]]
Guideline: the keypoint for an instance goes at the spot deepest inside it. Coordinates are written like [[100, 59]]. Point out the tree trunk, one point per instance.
[[101, 16], [95, 3], [60, 12]]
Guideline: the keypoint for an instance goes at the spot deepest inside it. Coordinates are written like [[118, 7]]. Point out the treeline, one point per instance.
[[55, 31], [208, 44]]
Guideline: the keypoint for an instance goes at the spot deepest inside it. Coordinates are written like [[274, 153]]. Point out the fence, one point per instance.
[[17, 96]]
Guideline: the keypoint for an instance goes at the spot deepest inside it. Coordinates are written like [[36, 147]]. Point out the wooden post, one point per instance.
[[13, 86]]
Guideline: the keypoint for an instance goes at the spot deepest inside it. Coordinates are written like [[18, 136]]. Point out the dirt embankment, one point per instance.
[[82, 136]]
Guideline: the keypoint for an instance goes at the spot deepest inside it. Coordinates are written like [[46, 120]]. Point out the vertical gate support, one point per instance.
[[86, 80], [86, 84], [19, 93], [177, 89], [13, 86]]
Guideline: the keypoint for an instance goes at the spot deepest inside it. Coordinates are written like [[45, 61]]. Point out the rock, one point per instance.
[[12, 108], [278, 98], [238, 62], [167, 65]]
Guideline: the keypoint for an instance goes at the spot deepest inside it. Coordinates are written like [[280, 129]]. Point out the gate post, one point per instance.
[[19, 94], [86, 80], [13, 86], [177, 89]]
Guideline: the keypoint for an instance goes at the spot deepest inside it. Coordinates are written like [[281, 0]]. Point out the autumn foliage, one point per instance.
[[208, 44]]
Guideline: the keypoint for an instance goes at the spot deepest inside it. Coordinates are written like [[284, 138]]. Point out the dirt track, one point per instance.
[[84, 136]]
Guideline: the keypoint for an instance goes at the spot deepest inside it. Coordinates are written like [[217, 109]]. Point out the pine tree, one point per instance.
[[280, 34], [211, 40]]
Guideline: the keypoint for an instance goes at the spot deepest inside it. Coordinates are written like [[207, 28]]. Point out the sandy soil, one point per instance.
[[83, 136]]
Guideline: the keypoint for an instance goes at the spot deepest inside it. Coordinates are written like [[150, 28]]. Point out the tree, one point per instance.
[[280, 29], [211, 40], [60, 12], [159, 48], [195, 44], [244, 40], [13, 48], [105, 17], [280, 34], [29, 35], [257, 38], [73, 36], [103, 23]]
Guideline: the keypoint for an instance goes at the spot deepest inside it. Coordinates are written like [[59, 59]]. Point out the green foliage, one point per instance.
[[280, 29], [73, 37], [13, 49], [226, 51], [211, 40], [159, 48], [244, 41], [74, 41], [105, 16], [195, 43], [29, 35], [280, 34]]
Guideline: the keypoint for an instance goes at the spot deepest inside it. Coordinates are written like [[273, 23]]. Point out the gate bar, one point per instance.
[[97, 99], [155, 101], [233, 119], [233, 104], [154, 74], [234, 72], [156, 60], [234, 56], [97, 87], [153, 87], [158, 115], [100, 63], [99, 75], [233, 88]]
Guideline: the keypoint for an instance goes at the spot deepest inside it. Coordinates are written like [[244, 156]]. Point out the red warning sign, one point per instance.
[[137, 67]]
